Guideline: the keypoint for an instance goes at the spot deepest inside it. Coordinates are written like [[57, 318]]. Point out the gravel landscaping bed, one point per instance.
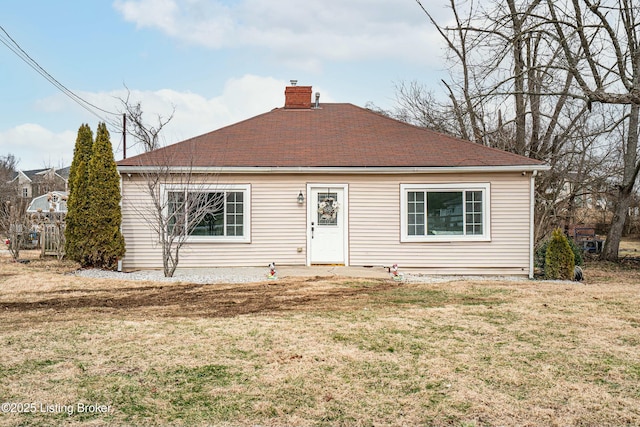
[[200, 276], [255, 274]]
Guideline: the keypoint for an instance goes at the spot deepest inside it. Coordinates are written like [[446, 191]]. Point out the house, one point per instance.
[[37, 182], [332, 183]]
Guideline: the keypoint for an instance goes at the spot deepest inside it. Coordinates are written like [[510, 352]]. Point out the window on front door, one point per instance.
[[327, 208]]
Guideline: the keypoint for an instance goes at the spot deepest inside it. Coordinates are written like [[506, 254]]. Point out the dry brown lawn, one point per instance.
[[319, 351], [630, 248]]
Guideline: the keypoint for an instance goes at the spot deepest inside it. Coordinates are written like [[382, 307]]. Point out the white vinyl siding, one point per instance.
[[279, 227], [375, 227], [275, 219]]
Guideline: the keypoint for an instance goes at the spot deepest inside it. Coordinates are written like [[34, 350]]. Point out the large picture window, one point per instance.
[[445, 212], [209, 214]]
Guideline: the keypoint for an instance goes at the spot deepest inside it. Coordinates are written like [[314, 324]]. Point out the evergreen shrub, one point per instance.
[[559, 259]]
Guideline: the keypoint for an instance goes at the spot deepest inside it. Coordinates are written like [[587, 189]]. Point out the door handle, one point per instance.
[[312, 228]]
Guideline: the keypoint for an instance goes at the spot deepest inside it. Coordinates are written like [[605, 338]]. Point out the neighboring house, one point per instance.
[[315, 183], [55, 201], [37, 182]]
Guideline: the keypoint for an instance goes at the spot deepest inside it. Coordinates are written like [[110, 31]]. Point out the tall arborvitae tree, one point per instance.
[[78, 232], [107, 242]]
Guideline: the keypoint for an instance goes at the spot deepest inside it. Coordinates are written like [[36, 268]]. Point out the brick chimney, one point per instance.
[[297, 97]]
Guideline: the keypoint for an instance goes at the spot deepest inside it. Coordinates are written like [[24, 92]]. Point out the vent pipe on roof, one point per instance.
[[317, 100]]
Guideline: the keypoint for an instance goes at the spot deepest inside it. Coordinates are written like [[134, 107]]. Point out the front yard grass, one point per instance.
[[320, 352]]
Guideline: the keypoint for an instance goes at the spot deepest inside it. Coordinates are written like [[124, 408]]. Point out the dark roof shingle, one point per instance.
[[334, 135]]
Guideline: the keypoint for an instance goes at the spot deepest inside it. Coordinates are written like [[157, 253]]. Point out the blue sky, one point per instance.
[[216, 61]]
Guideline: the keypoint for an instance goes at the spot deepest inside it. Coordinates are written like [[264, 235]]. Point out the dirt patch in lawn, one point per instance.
[[193, 300]]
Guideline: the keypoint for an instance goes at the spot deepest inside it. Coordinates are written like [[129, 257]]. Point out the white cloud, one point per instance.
[[297, 32], [150, 13], [37, 147], [241, 98], [194, 114]]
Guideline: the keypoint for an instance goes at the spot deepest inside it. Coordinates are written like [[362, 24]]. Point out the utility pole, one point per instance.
[[124, 136]]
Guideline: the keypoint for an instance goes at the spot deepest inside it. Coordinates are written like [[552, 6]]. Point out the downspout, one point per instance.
[[532, 203], [119, 268]]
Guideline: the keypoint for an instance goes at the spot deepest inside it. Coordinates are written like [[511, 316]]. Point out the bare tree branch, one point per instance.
[[144, 133]]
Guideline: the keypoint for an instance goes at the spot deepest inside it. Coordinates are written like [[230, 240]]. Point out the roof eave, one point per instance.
[[333, 170]]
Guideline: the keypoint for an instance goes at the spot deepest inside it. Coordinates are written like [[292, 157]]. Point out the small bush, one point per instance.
[[559, 259], [541, 253]]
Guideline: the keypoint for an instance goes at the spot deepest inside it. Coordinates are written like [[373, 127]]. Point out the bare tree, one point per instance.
[[505, 77], [600, 42], [508, 89], [12, 222], [15, 225], [144, 133], [461, 40], [419, 106], [578, 177], [8, 168], [178, 202]]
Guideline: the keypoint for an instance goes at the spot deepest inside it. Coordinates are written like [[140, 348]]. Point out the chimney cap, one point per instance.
[[293, 82]]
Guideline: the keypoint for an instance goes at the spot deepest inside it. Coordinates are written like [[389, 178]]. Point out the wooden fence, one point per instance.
[[52, 240]]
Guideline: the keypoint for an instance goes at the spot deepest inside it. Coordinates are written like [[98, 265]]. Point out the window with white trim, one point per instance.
[[210, 214], [445, 212]]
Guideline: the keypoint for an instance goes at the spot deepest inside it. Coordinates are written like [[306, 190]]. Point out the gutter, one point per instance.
[[360, 170]]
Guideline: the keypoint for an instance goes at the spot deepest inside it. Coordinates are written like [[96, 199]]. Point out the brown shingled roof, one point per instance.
[[334, 135]]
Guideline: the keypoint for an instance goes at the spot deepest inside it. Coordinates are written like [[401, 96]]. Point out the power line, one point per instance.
[[13, 46]]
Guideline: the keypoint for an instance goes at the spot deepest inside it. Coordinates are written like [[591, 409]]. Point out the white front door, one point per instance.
[[327, 225]]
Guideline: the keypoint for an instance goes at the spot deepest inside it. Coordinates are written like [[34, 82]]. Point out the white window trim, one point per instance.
[[204, 188], [472, 186]]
